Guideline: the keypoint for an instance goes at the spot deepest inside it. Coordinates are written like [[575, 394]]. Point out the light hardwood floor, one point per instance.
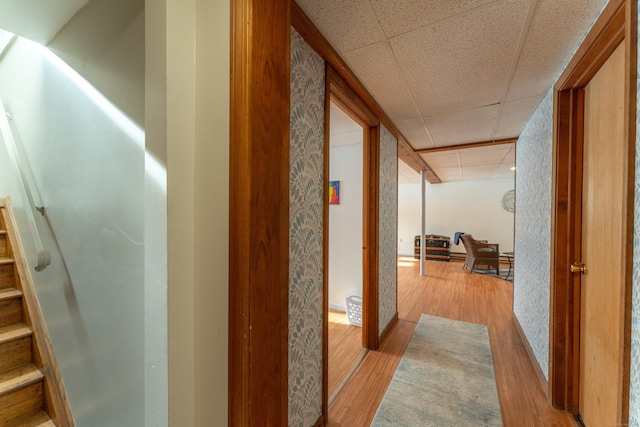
[[345, 348], [449, 292]]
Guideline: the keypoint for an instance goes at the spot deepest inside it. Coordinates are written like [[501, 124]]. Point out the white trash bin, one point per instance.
[[354, 308]]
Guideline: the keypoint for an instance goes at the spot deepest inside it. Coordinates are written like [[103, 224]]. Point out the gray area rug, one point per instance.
[[445, 378]]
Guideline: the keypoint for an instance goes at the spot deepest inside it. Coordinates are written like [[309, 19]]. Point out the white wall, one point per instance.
[[472, 207], [187, 113], [345, 225], [104, 43], [88, 160], [408, 216]]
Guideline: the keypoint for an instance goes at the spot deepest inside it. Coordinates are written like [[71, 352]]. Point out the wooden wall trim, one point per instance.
[[343, 95], [605, 35], [325, 248], [317, 41], [566, 225], [259, 225], [352, 105], [466, 146], [371, 238], [631, 82], [532, 357]]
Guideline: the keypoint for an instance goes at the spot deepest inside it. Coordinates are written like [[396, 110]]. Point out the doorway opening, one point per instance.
[[346, 102], [345, 248]]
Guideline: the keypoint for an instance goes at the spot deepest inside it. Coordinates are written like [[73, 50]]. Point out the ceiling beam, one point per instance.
[[407, 155], [469, 145]]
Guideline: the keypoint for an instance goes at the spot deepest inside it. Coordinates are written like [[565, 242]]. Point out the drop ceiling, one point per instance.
[[452, 72], [344, 130]]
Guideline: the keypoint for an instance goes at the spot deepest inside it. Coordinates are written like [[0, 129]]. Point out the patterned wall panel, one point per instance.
[[533, 230], [634, 392], [306, 208], [388, 278]]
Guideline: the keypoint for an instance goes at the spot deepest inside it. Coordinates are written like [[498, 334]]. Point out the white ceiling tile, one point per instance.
[[401, 16], [340, 122], [463, 62], [478, 172], [343, 129], [514, 116], [464, 126], [490, 150], [346, 24], [479, 157], [447, 174], [377, 69], [452, 71], [508, 162], [556, 30], [415, 133], [443, 159]]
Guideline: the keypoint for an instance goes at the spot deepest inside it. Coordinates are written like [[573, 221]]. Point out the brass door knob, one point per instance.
[[578, 267]]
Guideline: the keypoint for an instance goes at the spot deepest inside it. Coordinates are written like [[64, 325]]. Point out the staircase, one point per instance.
[[31, 393]]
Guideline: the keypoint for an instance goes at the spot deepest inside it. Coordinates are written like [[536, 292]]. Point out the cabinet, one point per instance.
[[437, 248]]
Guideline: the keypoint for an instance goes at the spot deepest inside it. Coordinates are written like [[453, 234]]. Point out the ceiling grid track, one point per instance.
[[518, 53], [396, 65], [457, 76], [500, 163]]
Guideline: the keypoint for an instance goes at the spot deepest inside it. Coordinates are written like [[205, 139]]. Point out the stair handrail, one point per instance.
[[28, 187]]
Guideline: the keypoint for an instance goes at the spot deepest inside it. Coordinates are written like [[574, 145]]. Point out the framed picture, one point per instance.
[[334, 192]]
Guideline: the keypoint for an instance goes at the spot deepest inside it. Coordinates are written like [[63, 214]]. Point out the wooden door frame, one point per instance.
[[339, 92], [617, 23], [259, 214]]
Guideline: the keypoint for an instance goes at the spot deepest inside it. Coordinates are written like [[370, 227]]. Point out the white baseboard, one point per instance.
[[338, 307]]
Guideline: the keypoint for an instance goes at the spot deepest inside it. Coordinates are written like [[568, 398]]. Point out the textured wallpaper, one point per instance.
[[634, 392], [305, 250], [533, 230], [387, 274]]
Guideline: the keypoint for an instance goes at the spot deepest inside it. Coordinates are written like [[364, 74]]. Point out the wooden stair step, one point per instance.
[[9, 293], [6, 260], [15, 346], [14, 332], [37, 419], [19, 377], [21, 394], [7, 276], [3, 243], [11, 309]]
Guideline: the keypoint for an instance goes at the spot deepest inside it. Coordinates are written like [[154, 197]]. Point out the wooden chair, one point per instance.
[[480, 254]]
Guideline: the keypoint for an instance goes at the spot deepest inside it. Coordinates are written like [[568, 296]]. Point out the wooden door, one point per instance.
[[602, 287]]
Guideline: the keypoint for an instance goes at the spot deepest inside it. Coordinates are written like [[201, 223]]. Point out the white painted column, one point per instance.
[[423, 224]]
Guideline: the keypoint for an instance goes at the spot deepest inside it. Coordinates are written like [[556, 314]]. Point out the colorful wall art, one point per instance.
[[334, 192]]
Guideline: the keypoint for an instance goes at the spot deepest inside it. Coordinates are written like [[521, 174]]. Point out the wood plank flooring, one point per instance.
[[345, 348], [449, 292]]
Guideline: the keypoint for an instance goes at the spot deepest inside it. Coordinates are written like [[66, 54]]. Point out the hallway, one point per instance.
[[449, 292]]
